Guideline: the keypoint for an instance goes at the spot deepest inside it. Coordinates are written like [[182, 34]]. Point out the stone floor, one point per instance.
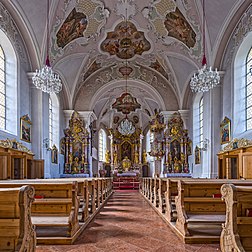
[[128, 224]]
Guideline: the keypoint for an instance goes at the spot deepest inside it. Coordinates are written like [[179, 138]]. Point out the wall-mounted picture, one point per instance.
[[225, 130], [54, 153], [25, 128], [197, 155]]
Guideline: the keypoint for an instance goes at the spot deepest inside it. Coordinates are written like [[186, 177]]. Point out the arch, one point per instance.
[[239, 88], [132, 83], [11, 97]]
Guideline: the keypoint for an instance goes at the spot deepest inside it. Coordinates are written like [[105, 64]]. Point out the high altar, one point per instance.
[[126, 151], [76, 143]]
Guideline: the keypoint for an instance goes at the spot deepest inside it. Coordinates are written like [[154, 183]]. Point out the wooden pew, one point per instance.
[[16, 230], [236, 234], [161, 194], [200, 210], [54, 211]]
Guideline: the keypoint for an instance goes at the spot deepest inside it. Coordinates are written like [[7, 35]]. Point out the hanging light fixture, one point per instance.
[[126, 127], [126, 103], [206, 78], [45, 79]]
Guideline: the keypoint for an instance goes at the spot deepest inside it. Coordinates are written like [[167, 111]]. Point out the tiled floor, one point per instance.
[[128, 224]]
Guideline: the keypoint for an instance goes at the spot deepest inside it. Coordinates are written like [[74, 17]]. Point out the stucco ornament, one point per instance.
[[125, 41]]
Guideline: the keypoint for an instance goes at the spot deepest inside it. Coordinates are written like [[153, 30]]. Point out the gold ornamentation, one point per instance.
[[13, 144], [236, 143]]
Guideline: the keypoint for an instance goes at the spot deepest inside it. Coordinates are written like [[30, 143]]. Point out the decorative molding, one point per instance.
[[13, 144], [236, 144], [96, 15], [243, 27], [8, 26]]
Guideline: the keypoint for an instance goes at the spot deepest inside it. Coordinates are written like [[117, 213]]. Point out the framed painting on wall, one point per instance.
[[197, 155], [25, 128], [225, 130], [54, 154]]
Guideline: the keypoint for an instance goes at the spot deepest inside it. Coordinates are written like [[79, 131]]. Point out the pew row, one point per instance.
[[236, 232], [192, 207], [62, 207], [16, 230]]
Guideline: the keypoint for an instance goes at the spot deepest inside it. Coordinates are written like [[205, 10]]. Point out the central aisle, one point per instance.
[[128, 224]]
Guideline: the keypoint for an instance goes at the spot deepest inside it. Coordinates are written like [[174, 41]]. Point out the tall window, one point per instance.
[[102, 145], [50, 123], [248, 90], [2, 90], [201, 122]]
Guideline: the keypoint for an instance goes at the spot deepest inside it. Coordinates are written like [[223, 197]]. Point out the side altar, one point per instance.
[[76, 147]]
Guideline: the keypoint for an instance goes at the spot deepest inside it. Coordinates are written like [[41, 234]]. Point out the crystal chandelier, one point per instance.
[[45, 79], [206, 78], [126, 127]]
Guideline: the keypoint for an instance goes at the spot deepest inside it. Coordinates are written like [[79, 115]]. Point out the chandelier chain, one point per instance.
[[46, 79], [205, 79]]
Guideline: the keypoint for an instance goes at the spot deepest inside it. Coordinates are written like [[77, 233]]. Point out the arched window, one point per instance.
[[198, 120], [53, 123], [201, 122], [242, 90], [50, 123], [248, 90], [149, 140], [2, 90], [8, 87], [102, 144]]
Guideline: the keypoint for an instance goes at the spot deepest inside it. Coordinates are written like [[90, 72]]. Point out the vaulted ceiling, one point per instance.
[[95, 44]]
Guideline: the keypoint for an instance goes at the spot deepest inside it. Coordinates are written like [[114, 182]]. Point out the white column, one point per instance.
[[67, 116], [185, 117], [39, 117]]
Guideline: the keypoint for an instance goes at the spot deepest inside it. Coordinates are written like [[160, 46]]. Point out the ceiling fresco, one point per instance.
[[125, 41], [91, 40]]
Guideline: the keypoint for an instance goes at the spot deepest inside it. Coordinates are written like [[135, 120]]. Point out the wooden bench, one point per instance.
[[54, 210], [200, 210], [16, 230], [236, 234]]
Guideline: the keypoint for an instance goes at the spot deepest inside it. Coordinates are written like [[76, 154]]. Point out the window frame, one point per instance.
[[4, 84], [248, 94]]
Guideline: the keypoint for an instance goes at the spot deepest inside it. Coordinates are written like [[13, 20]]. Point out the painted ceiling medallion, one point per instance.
[[126, 103], [178, 27], [73, 28], [125, 41], [125, 70]]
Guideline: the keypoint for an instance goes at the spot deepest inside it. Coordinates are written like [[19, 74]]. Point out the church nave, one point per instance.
[[127, 223]]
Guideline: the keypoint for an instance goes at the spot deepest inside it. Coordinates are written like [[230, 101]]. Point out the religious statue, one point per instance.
[[144, 157], [136, 157], [75, 167], [176, 165], [107, 157], [115, 158], [126, 164], [70, 159]]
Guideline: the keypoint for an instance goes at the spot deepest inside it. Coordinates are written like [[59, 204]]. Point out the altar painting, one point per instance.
[[126, 151]]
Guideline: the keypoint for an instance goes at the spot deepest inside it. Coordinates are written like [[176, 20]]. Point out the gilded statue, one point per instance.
[[107, 157], [144, 157], [70, 158], [126, 164], [136, 157], [115, 158], [75, 167]]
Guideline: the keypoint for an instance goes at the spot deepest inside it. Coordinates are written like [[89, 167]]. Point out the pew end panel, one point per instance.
[[16, 229], [236, 232]]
